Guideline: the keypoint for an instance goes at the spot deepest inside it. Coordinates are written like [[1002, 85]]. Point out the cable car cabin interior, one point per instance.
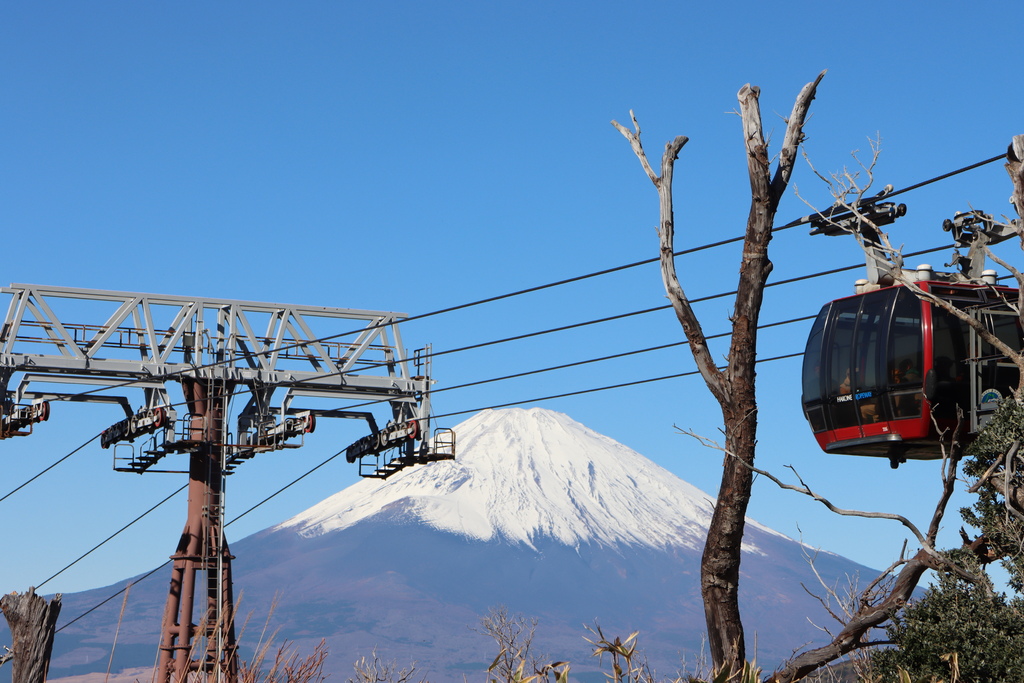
[[880, 366]]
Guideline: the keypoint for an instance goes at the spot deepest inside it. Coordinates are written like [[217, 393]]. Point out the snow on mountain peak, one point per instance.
[[525, 474]]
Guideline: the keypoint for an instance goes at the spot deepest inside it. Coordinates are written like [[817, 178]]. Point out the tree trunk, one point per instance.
[[733, 388], [720, 563], [32, 622]]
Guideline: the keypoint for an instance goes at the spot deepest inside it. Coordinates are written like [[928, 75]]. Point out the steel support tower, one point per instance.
[[122, 344], [202, 548]]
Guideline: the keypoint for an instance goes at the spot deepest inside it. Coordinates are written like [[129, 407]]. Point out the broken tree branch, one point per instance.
[[32, 621], [666, 234], [872, 612]]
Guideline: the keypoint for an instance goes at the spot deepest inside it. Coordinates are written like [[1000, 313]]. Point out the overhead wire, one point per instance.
[[111, 597], [963, 169], [604, 388], [478, 409], [794, 223], [803, 220], [644, 311], [227, 524], [588, 361], [328, 460], [47, 469], [475, 410], [501, 405], [520, 337], [339, 453], [167, 498], [108, 538]]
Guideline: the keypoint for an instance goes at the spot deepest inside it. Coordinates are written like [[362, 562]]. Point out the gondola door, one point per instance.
[[993, 376], [855, 369]]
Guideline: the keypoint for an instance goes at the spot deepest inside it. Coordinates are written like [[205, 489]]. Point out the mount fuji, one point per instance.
[[539, 514]]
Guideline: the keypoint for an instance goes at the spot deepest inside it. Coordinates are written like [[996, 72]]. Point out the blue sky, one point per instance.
[[413, 156]]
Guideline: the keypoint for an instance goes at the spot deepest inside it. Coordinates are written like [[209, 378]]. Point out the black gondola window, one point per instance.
[[949, 385], [868, 375], [997, 372], [906, 356], [812, 374], [841, 364]]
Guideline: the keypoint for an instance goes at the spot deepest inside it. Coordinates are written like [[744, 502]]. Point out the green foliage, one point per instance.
[[961, 631], [988, 513], [983, 631]]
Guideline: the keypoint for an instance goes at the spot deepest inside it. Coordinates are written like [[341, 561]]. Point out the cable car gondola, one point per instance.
[[884, 372]]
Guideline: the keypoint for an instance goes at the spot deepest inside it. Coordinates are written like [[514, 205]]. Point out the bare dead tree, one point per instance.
[[377, 670], [513, 634], [32, 621], [886, 594], [875, 607], [842, 601], [732, 387]]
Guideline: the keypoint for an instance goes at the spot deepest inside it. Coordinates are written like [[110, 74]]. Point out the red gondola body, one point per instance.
[[884, 372]]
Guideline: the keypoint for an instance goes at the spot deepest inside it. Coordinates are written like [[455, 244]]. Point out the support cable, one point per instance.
[[486, 381], [614, 356], [335, 456], [476, 303], [803, 220], [20, 487], [620, 316], [109, 538], [528, 335], [108, 599], [606, 388]]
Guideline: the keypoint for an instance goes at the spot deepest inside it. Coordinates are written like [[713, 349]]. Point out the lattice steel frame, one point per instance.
[[211, 347]]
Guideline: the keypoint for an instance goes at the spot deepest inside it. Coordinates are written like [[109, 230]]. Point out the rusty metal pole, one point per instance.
[[184, 648]]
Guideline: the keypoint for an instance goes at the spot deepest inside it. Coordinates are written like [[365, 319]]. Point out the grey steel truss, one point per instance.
[[212, 348], [281, 354]]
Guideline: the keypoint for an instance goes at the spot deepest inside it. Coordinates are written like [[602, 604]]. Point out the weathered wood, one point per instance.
[[867, 618], [872, 614], [720, 563], [33, 624], [1015, 167], [733, 388], [713, 377]]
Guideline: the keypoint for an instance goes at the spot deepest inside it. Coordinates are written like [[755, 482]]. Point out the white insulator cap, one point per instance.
[[925, 272], [988, 277], [859, 286]]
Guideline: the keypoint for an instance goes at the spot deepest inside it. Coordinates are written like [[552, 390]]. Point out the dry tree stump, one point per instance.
[[32, 621]]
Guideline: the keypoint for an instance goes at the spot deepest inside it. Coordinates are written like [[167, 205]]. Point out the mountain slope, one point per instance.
[[524, 475], [538, 513]]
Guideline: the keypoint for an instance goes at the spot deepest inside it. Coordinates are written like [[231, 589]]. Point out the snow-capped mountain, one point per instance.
[[537, 513], [522, 475]]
